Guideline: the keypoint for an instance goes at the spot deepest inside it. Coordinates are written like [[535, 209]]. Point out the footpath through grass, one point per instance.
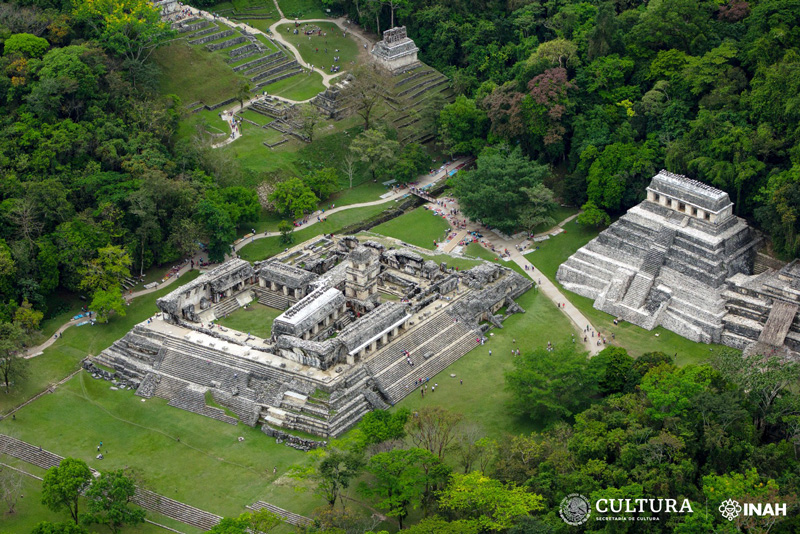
[[483, 398], [319, 50], [77, 342], [555, 251], [419, 227], [256, 319], [262, 249]]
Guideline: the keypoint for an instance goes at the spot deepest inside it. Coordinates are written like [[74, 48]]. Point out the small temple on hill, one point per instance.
[[396, 51]]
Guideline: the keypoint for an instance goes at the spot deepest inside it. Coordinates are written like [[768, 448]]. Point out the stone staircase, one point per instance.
[[227, 306], [440, 336], [287, 516], [175, 509], [651, 266], [272, 299], [434, 365], [28, 453], [193, 399]]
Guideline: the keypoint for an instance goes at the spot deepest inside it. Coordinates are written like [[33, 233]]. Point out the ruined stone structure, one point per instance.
[[665, 262], [762, 312], [338, 349], [396, 51]]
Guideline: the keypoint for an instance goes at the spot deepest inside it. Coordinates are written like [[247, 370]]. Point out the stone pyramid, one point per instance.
[[666, 260]]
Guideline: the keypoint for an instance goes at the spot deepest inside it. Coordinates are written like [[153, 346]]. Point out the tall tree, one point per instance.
[[434, 429], [13, 366], [62, 486], [399, 479], [492, 505], [293, 197], [108, 501], [376, 150], [550, 385], [366, 91], [494, 192]]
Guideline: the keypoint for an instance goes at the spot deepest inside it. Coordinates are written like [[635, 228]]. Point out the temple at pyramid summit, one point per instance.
[[666, 261]]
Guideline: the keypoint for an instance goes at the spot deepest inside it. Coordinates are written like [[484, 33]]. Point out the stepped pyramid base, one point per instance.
[[665, 262]]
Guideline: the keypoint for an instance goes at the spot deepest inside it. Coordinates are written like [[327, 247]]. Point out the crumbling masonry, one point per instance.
[[352, 310]]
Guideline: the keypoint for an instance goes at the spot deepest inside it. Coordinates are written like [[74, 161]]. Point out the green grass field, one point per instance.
[[256, 319], [268, 247], [482, 398], [419, 227], [301, 87], [30, 510], [302, 9], [208, 468], [194, 74], [554, 251], [63, 356], [313, 48]]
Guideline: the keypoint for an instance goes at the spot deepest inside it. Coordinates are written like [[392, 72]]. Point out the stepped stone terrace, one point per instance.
[[666, 261], [352, 309]]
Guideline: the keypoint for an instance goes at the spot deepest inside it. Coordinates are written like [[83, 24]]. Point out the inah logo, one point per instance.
[[575, 509], [730, 509]]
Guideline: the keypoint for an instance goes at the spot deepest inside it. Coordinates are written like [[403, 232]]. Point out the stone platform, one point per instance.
[[335, 354]]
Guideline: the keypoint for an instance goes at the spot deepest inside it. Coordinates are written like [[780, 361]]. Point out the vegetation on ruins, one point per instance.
[[104, 173]]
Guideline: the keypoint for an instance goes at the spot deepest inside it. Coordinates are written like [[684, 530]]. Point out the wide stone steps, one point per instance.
[[279, 78], [287, 516], [226, 306], [434, 344], [637, 291], [168, 387], [435, 365], [274, 70], [204, 32], [428, 87], [238, 52], [256, 62], [272, 299], [28, 453], [208, 374], [193, 400], [175, 509], [409, 341], [246, 410]]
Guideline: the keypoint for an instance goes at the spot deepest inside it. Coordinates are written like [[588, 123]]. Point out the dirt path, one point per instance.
[[515, 247], [423, 181]]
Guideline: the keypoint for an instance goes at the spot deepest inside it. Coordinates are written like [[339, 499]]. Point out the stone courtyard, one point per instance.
[[361, 324]]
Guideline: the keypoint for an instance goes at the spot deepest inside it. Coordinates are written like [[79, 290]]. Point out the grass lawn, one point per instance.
[[302, 9], [208, 468], [313, 50], [268, 247], [299, 87], [194, 74], [63, 356], [419, 227], [31, 511], [258, 118], [554, 251], [482, 398], [255, 319]]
